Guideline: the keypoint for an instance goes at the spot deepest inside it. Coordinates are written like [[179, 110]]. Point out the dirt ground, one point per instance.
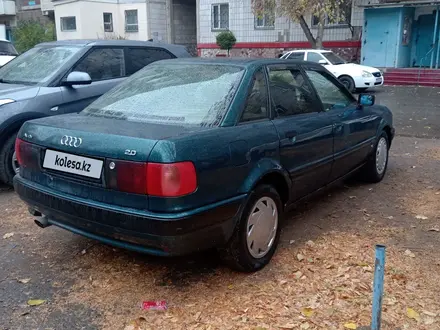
[[320, 278]]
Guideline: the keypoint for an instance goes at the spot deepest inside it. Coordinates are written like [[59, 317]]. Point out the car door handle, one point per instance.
[[291, 134]]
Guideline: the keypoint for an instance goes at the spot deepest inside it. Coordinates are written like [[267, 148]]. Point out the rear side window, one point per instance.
[[314, 57], [296, 56], [137, 58], [103, 64]]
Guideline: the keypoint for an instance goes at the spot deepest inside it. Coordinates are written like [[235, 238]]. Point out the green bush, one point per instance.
[[226, 40], [27, 34]]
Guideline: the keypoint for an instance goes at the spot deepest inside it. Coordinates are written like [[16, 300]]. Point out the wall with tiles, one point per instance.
[[242, 24]]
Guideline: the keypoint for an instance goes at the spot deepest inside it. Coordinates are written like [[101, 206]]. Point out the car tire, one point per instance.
[[375, 168], [7, 152], [348, 82], [242, 252]]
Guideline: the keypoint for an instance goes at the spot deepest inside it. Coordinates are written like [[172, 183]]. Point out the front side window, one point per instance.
[[103, 63], [108, 22], [331, 95], [172, 93], [266, 18], [220, 16], [296, 56], [333, 58], [290, 92], [68, 23], [131, 21], [38, 65], [140, 57], [314, 57], [256, 104]]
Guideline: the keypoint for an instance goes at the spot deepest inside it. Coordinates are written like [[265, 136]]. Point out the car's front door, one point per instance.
[[354, 126], [306, 132], [106, 67]]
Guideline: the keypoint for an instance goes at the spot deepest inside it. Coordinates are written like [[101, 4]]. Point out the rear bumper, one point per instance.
[[157, 234]]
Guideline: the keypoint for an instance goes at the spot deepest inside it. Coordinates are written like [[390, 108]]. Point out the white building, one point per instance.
[[269, 35], [160, 20], [197, 22]]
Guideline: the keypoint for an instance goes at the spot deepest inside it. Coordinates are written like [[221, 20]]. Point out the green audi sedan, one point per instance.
[[192, 154]]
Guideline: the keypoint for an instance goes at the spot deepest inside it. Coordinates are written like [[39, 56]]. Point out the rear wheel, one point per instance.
[[374, 170], [8, 161], [257, 233], [348, 82]]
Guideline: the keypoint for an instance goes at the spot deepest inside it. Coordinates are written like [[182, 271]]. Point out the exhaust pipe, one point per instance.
[[42, 222]]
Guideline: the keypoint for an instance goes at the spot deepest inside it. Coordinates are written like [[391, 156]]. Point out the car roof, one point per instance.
[[177, 50], [311, 50], [239, 61]]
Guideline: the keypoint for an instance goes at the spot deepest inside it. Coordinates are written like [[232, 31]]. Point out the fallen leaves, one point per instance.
[[24, 280], [421, 217], [437, 229], [8, 235], [300, 257], [35, 302], [307, 312], [350, 326], [409, 254], [412, 314]]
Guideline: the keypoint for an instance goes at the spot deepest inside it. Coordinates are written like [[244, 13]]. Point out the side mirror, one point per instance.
[[77, 78], [366, 99], [323, 62]]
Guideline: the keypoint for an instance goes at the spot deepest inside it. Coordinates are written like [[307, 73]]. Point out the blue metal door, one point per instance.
[[379, 45], [423, 42]]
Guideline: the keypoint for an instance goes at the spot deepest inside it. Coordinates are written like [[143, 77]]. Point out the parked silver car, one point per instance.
[[64, 77]]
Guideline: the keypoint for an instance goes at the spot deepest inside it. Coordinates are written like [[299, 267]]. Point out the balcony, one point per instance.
[[7, 7]]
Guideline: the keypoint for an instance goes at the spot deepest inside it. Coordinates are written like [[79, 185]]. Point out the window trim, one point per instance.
[[316, 100], [131, 24], [92, 49], [264, 26], [219, 16], [61, 23], [111, 21]]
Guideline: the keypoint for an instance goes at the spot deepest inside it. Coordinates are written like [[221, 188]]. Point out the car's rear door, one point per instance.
[[138, 57], [354, 126], [106, 66], [305, 131]]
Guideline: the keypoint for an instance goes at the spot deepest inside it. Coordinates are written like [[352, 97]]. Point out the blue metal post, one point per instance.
[[379, 272], [434, 38], [438, 47]]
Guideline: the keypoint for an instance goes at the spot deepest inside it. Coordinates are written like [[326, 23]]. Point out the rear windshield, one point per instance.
[[173, 93]]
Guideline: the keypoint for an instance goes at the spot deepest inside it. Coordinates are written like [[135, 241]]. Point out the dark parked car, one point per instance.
[[192, 154], [64, 77]]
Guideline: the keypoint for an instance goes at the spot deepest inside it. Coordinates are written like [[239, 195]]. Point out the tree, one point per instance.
[[27, 34], [226, 40], [323, 10]]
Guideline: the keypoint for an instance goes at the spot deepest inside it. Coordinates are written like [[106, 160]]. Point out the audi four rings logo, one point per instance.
[[71, 141]]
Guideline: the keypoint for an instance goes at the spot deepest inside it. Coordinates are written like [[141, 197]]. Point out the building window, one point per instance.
[[343, 17], [108, 22], [68, 23], [131, 21], [220, 16], [266, 19]]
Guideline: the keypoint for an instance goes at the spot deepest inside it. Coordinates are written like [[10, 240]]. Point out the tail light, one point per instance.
[[26, 153], [154, 179]]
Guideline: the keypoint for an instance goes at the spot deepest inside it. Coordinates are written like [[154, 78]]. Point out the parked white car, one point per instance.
[[353, 76], [7, 52]]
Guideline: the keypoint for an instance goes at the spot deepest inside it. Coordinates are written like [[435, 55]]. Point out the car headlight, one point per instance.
[[6, 101], [366, 74]]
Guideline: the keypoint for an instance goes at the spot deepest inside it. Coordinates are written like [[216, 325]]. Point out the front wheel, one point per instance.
[[8, 161], [348, 82], [375, 168], [257, 233]]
